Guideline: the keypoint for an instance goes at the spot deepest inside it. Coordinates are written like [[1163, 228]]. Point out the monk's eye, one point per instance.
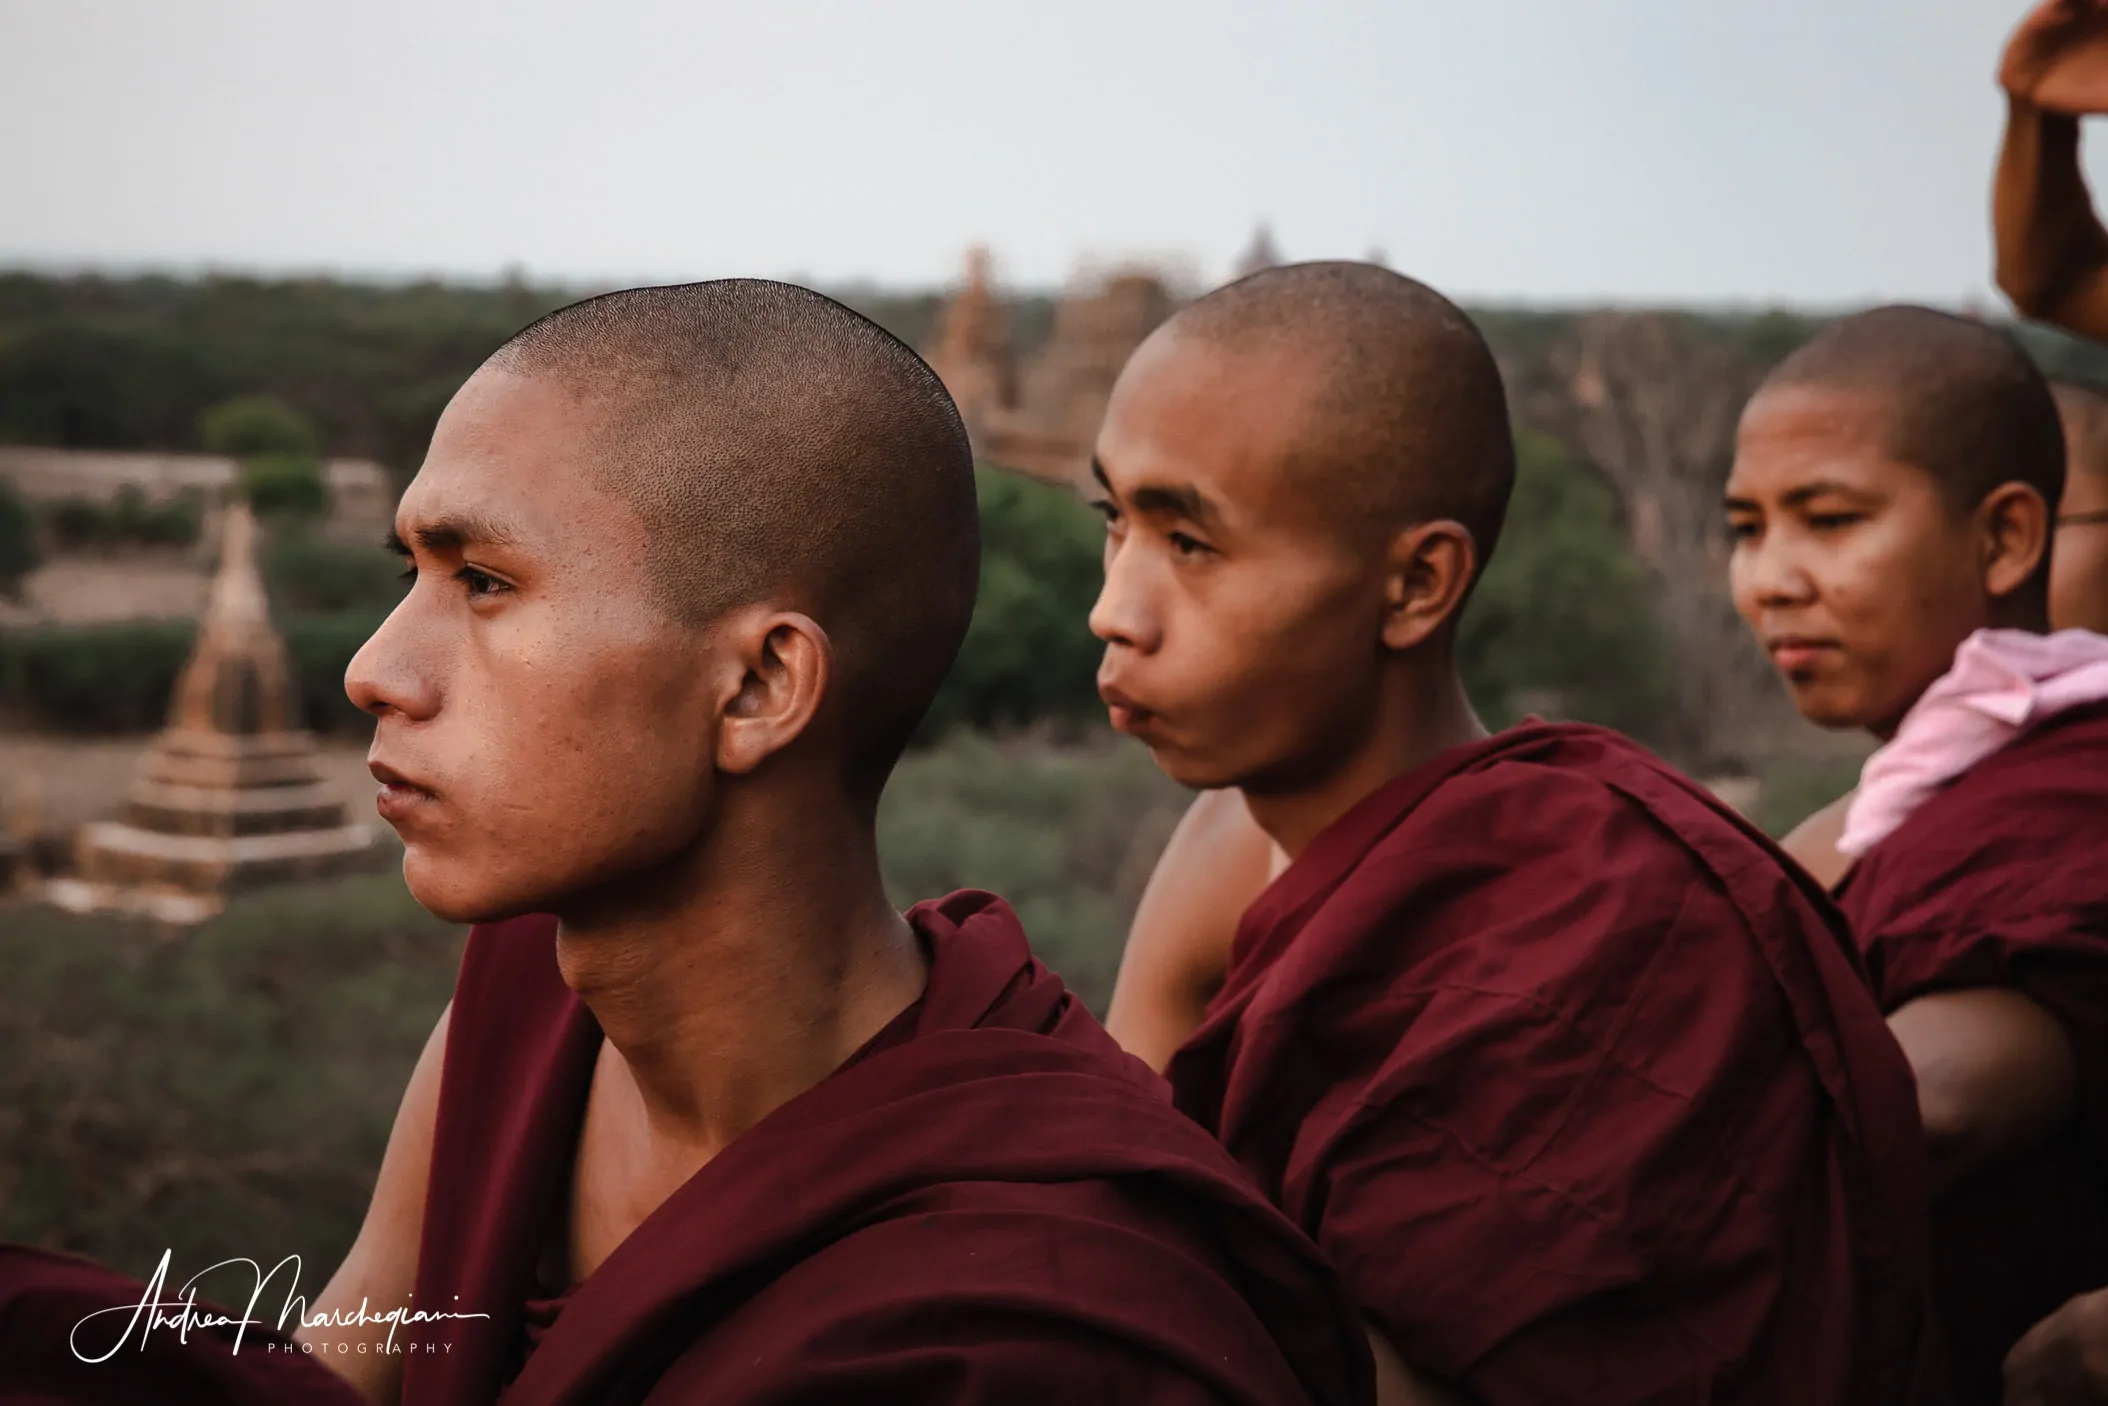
[[480, 583], [1832, 522], [1743, 530], [1189, 546], [1104, 508]]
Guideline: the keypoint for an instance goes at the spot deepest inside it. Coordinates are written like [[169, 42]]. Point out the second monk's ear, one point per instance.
[[2015, 523], [786, 665], [1429, 569]]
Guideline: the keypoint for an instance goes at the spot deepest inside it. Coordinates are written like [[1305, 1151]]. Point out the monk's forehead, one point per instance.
[[528, 454], [2084, 416], [1241, 422], [1795, 429]]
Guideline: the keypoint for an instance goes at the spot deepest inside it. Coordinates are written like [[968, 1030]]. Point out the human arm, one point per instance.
[[2052, 251], [1996, 1076], [2063, 1360], [1178, 948], [380, 1270], [1813, 843]]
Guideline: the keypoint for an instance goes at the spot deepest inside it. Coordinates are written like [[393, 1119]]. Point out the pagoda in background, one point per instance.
[[229, 796], [1261, 254]]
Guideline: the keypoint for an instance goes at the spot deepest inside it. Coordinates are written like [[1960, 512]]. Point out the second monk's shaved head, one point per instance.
[[1412, 424], [1960, 400], [781, 448]]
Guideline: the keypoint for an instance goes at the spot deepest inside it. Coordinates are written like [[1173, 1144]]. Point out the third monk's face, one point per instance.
[[543, 726], [2078, 564], [1856, 574], [1242, 629]]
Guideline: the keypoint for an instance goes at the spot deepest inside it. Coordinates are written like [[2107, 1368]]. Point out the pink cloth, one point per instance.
[[2003, 682]]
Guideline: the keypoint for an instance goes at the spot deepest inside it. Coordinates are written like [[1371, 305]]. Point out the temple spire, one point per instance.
[[228, 796]]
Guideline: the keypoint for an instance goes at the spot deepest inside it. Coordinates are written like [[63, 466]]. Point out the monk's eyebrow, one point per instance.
[[457, 532], [1793, 499], [1175, 500], [1171, 499], [1798, 496]]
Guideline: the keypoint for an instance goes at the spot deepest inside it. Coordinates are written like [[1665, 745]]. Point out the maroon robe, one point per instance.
[[2001, 879], [1575, 1078], [45, 1296], [990, 1204]]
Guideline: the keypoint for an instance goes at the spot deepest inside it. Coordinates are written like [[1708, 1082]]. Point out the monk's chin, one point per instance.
[[1194, 773], [448, 894], [1828, 708]]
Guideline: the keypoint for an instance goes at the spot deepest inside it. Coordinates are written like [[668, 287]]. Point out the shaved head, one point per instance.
[[2083, 406], [1411, 423], [1961, 400], [782, 449]]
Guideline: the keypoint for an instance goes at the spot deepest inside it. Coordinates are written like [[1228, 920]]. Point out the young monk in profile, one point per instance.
[[1572, 1074], [689, 564], [1893, 490]]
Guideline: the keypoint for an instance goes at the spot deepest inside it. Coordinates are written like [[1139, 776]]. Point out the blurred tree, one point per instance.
[[1562, 621], [285, 486], [1651, 400], [18, 540], [281, 469], [252, 425], [1029, 654]]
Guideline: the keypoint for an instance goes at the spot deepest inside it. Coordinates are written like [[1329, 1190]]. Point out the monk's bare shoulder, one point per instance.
[[1813, 842], [1178, 949], [381, 1267]]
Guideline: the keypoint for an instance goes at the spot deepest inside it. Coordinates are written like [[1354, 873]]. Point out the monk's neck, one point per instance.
[[744, 976], [1423, 714]]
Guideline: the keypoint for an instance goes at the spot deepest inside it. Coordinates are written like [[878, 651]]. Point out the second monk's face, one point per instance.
[[543, 727], [1241, 629], [1856, 574]]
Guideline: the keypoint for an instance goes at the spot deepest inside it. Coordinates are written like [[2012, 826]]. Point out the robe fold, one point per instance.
[[992, 1203], [1578, 1082], [44, 1298], [2000, 879]]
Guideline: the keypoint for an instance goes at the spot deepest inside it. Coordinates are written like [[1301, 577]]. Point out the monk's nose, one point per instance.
[[383, 676], [1122, 615]]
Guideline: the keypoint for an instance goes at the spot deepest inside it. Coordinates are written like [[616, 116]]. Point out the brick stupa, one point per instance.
[[229, 796]]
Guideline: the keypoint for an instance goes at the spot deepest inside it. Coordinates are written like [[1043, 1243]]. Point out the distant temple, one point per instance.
[[229, 796], [1041, 418], [1259, 255]]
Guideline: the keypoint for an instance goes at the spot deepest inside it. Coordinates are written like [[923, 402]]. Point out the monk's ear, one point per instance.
[[2013, 527], [1429, 571], [782, 666]]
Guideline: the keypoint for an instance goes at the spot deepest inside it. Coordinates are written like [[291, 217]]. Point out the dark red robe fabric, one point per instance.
[[1577, 1081], [2001, 879], [993, 1205], [44, 1298]]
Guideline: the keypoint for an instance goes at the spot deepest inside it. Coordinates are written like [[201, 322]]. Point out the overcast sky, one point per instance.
[[1814, 152]]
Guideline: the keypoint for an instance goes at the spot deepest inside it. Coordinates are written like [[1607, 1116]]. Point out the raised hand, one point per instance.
[[2058, 58]]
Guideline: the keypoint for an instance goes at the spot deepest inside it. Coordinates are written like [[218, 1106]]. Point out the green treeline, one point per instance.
[[1563, 623], [1560, 624], [91, 362]]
